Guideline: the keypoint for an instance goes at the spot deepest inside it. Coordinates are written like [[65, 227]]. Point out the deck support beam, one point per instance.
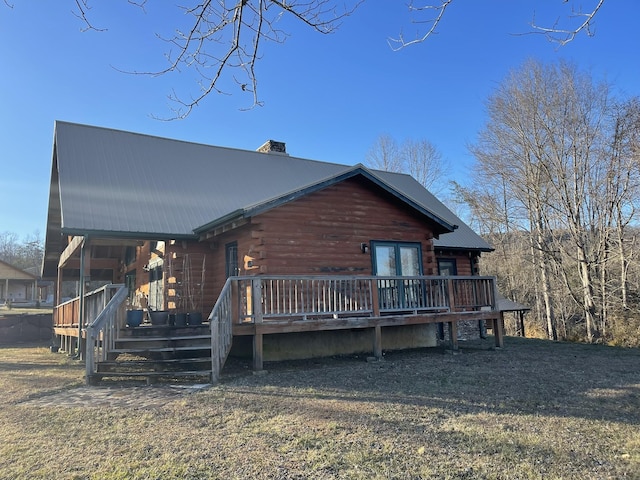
[[453, 335], [498, 331], [258, 355], [256, 305], [377, 342]]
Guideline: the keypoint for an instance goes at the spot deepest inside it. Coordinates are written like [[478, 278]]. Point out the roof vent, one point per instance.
[[271, 146]]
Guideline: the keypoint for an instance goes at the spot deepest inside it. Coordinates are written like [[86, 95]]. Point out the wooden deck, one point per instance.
[[264, 305]]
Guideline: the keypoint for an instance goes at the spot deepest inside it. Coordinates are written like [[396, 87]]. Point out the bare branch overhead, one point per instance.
[[563, 36], [432, 14], [224, 39]]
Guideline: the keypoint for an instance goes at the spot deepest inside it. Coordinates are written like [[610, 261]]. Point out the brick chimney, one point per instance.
[[271, 146]]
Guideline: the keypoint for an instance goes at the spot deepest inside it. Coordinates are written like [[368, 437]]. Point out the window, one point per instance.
[[447, 266], [231, 259], [395, 259], [130, 282], [130, 255]]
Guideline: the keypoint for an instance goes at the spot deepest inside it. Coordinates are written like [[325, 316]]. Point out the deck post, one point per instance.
[[377, 342], [215, 349], [453, 335], [498, 330], [256, 295]]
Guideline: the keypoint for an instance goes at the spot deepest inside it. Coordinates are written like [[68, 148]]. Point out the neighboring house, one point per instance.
[[173, 220], [16, 285]]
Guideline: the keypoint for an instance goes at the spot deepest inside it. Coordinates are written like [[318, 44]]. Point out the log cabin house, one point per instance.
[[282, 257]]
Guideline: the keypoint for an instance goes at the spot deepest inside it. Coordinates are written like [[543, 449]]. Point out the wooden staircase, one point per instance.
[[159, 352]]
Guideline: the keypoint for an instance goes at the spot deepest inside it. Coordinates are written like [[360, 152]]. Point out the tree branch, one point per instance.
[[563, 36], [440, 9]]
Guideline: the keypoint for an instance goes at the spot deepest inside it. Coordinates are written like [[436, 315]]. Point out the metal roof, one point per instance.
[[112, 182], [506, 305]]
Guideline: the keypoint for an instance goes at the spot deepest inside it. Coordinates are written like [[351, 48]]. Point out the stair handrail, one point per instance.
[[102, 332], [221, 323]]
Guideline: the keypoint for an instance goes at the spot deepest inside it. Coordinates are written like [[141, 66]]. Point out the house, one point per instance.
[[283, 256], [17, 285]]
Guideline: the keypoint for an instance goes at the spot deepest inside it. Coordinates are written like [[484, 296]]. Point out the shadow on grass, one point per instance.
[[528, 377]]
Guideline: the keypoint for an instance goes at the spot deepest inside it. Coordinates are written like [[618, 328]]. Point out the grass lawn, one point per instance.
[[532, 410]]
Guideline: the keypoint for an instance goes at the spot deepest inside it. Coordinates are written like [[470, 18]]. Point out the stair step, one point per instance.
[[178, 373], [160, 349], [163, 339], [194, 342], [164, 360], [164, 331], [153, 367]]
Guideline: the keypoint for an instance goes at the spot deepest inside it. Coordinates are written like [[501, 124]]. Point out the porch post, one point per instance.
[[85, 276]]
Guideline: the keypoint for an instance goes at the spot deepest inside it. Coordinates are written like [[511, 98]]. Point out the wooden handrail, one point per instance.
[[102, 331], [220, 322]]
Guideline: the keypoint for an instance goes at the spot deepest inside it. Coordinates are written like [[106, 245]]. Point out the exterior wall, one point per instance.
[[318, 234], [193, 271], [18, 291], [322, 233], [465, 264]]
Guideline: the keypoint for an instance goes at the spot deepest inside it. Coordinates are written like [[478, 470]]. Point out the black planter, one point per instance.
[[194, 318], [180, 319], [159, 317]]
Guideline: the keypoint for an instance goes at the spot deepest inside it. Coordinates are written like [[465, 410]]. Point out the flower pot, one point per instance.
[[180, 319], [159, 317], [134, 318], [194, 318]]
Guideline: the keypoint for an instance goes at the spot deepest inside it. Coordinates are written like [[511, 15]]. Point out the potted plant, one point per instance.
[[135, 313]]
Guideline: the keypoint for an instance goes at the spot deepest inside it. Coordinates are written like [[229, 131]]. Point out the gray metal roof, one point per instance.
[[121, 183], [506, 305]]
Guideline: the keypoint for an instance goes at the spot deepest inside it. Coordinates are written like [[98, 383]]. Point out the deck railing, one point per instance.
[[66, 314], [221, 321], [265, 298], [106, 320]]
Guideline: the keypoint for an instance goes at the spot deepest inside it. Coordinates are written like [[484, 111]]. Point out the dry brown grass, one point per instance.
[[530, 411]]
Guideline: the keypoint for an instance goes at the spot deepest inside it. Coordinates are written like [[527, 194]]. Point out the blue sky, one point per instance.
[[327, 97]]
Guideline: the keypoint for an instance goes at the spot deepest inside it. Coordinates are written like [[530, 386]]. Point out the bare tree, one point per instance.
[[419, 158], [385, 155], [567, 160], [25, 254], [424, 162]]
